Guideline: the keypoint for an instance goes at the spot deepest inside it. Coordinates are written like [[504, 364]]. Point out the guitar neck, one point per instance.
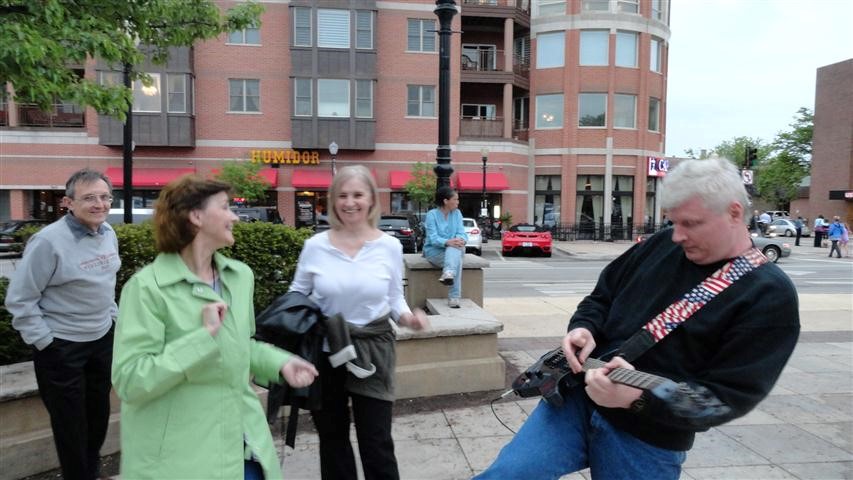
[[625, 376]]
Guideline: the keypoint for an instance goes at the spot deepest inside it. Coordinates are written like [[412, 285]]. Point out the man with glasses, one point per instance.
[[62, 299]]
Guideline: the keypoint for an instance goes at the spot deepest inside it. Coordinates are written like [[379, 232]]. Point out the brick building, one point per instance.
[[565, 99]]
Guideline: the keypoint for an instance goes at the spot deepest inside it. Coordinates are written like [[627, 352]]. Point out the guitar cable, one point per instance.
[[492, 406]]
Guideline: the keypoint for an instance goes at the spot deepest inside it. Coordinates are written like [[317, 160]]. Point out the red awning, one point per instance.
[[473, 181], [270, 175], [311, 179], [147, 177], [399, 179]]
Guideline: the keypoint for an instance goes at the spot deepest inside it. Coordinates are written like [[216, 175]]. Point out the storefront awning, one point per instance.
[[147, 177], [270, 175], [311, 179], [473, 181], [398, 179]]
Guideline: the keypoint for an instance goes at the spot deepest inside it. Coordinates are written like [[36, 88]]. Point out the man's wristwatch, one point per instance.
[[639, 404]]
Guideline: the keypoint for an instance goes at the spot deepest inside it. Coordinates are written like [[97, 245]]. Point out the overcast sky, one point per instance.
[[744, 67]]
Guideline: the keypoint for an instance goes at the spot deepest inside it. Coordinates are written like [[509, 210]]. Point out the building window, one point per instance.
[[594, 46], [421, 34], [247, 36], [589, 206], [364, 98], [521, 52], [595, 5], [244, 95], [475, 111], [302, 97], [546, 203], [628, 6], [550, 49], [552, 7], [301, 27], [626, 49], [549, 111], [400, 202], [622, 208], [4, 109], [421, 101], [364, 30], [654, 114], [147, 98], [651, 183], [482, 58], [333, 28], [657, 10], [592, 110], [519, 113], [333, 97], [624, 111], [177, 93], [654, 55]]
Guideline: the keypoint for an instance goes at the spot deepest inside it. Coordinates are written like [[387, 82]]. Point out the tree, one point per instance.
[[735, 150], [421, 188], [797, 143], [41, 39], [245, 180], [789, 161]]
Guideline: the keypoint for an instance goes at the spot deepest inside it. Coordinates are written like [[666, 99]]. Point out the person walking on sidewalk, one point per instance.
[[184, 352], [354, 273], [62, 300], [725, 357], [819, 229], [798, 226], [836, 230], [445, 241]]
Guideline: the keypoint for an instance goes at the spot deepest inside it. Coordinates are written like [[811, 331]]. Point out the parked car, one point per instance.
[[9, 241], [526, 238], [257, 214], [416, 220], [772, 248], [475, 237], [783, 227], [774, 214], [116, 215], [401, 227]]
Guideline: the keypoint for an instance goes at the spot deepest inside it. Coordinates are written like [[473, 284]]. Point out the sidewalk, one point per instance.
[[804, 429]]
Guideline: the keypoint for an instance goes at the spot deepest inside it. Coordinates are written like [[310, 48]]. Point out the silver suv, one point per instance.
[[475, 236]]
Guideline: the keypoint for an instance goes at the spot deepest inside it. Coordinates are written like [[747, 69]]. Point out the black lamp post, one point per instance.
[[444, 10], [484, 152], [333, 149], [127, 151]]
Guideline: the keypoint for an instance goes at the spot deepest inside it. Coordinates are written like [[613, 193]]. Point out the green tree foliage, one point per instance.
[[789, 161], [797, 143], [421, 188], [245, 179], [41, 39], [735, 150]]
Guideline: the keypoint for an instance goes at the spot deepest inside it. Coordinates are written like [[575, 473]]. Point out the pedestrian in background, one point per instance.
[[354, 273], [836, 230], [62, 301], [622, 432], [184, 353], [798, 226], [819, 229], [445, 241]]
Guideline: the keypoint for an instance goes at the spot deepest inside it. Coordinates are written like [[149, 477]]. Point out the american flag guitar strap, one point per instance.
[[682, 309]]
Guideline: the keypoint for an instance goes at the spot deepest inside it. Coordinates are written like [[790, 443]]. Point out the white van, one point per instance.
[[116, 215]]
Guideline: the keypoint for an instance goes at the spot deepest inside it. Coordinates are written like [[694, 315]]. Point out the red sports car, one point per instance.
[[526, 238]]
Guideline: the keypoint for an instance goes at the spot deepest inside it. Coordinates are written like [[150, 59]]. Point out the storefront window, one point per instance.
[[590, 205], [621, 215], [546, 203], [651, 184]]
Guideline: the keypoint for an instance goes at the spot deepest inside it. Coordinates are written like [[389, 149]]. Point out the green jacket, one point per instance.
[[187, 406]]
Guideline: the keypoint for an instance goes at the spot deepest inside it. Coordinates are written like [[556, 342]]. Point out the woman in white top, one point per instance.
[[355, 271]]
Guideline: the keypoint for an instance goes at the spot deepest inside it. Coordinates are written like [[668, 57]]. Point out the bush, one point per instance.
[[270, 250], [12, 348]]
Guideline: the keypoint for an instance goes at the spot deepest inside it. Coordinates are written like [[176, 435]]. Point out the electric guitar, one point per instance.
[[551, 377]]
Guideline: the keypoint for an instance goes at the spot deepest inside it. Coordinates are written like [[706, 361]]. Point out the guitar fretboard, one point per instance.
[[625, 376]]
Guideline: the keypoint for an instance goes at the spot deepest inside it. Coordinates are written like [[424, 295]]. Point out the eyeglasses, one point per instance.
[[93, 199]]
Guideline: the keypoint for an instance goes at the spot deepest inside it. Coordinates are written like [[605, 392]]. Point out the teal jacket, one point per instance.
[[439, 230], [187, 406]]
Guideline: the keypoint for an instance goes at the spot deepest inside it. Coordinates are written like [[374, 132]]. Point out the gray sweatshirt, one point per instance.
[[64, 286]]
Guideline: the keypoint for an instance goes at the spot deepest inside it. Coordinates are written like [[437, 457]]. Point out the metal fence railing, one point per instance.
[[602, 231]]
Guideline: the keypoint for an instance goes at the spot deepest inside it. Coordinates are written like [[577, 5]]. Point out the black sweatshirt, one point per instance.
[[735, 346]]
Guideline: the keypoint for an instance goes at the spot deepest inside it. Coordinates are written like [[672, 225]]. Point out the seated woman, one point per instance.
[[445, 241]]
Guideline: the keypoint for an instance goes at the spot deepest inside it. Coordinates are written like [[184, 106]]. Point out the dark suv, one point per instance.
[[404, 228], [9, 240], [257, 214]]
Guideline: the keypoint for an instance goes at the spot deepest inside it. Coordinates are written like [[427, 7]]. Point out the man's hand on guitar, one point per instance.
[[577, 345], [604, 391]]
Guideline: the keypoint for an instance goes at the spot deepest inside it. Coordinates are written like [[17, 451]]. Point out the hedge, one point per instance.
[[270, 250]]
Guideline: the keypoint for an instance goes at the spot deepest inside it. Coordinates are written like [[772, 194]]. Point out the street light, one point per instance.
[[333, 149], [484, 208]]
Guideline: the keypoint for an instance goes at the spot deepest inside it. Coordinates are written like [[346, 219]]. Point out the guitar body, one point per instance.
[[550, 377]]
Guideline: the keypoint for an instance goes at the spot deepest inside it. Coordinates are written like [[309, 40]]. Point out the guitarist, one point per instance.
[[726, 356]]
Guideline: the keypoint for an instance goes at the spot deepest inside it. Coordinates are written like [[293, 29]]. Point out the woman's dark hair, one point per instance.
[[172, 227], [442, 194]]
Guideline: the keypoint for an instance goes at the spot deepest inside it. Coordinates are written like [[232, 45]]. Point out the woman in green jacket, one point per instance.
[[184, 352]]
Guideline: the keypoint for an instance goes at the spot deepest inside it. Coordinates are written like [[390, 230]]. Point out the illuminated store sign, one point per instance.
[[658, 167], [285, 157]]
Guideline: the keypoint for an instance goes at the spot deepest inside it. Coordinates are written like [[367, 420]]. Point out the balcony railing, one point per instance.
[[493, 61], [481, 127], [62, 115], [523, 5]]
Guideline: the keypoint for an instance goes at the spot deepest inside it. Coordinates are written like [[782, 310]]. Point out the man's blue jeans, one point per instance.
[[451, 259], [556, 441]]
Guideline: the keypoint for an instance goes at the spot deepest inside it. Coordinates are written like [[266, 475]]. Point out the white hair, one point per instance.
[[716, 181]]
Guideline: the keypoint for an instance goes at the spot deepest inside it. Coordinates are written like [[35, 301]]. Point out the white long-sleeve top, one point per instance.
[[362, 288]]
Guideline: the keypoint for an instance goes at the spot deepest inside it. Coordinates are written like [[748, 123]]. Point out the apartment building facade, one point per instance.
[[557, 111]]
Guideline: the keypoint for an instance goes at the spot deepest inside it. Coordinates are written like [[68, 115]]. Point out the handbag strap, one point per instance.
[[691, 302]]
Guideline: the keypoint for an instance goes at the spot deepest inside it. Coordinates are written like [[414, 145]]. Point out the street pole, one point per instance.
[[127, 152], [444, 10], [484, 152]]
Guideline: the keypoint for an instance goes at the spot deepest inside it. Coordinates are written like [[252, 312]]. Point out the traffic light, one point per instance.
[[751, 156]]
